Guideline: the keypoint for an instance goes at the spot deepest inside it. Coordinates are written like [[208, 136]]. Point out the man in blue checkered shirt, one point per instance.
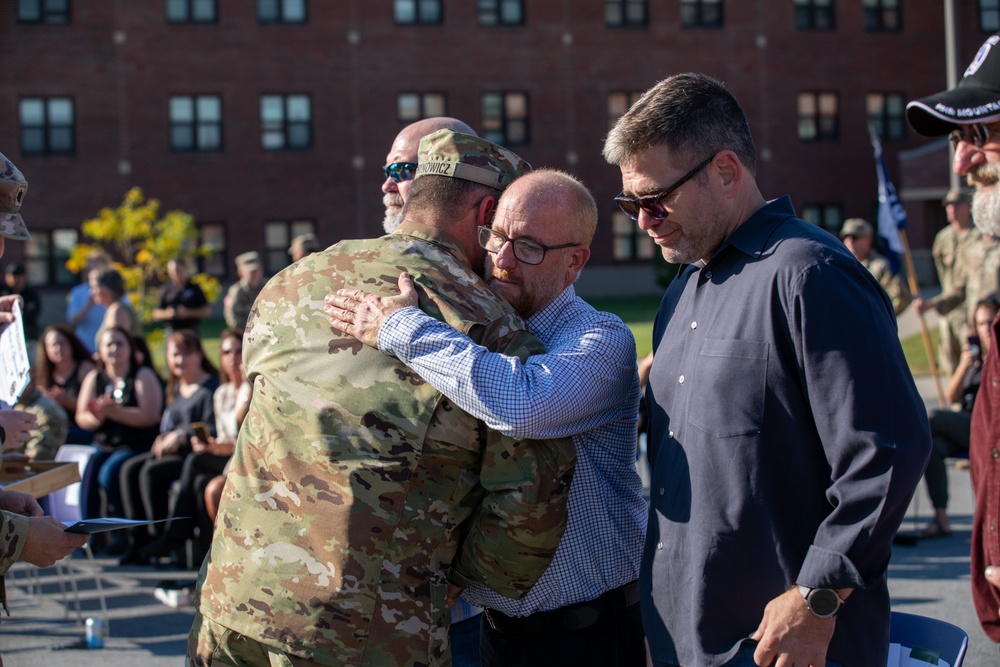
[[583, 611]]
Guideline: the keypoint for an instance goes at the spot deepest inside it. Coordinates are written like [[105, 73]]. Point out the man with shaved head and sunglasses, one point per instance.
[[970, 114], [788, 431]]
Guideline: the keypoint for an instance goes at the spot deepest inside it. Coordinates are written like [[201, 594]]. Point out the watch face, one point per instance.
[[823, 602]]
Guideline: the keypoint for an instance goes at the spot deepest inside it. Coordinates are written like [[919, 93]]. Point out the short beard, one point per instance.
[[986, 199], [392, 217]]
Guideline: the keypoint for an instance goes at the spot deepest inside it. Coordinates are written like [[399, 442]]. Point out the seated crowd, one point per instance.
[[162, 445]]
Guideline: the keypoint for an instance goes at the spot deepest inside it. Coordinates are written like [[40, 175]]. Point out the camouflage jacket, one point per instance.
[[237, 304], [357, 490], [53, 425], [893, 285], [951, 260], [13, 533], [977, 276]]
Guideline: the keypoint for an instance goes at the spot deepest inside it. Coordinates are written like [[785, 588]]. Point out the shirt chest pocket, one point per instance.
[[728, 388]]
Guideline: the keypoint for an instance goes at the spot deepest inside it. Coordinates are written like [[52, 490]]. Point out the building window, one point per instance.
[[422, 12], [196, 123], [628, 241], [989, 15], [47, 126], [618, 13], [286, 122], [53, 12], [885, 113], [819, 118], [278, 235], [213, 238], [192, 11], [281, 11], [618, 103], [505, 118], [45, 256], [827, 216], [883, 15], [814, 15], [411, 107], [701, 13], [501, 12]]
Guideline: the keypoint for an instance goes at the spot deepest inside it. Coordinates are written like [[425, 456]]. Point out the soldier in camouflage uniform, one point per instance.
[[951, 246], [358, 492], [858, 235], [239, 299], [25, 534]]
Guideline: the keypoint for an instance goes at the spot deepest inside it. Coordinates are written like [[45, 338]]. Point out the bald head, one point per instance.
[[404, 149], [549, 196]]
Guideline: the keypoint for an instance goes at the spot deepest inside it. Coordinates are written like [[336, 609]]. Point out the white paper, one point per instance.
[[14, 363], [899, 656]]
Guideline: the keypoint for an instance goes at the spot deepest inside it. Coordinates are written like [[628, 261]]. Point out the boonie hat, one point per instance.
[[976, 98], [855, 227], [470, 158], [248, 260], [306, 242], [956, 195], [12, 189]]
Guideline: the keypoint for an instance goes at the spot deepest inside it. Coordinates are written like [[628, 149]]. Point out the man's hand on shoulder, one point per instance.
[[789, 634], [361, 314]]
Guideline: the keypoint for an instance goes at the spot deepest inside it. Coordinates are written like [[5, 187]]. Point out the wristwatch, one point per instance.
[[822, 602]]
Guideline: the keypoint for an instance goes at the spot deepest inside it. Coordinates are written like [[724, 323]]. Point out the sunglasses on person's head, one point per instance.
[[651, 204], [400, 171], [976, 134]]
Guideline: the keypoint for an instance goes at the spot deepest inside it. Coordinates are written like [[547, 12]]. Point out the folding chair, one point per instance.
[[69, 505], [949, 641]]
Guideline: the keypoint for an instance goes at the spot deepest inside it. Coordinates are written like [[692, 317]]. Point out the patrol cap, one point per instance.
[[12, 189], [976, 98], [306, 242], [856, 227], [955, 196], [248, 260], [470, 158]]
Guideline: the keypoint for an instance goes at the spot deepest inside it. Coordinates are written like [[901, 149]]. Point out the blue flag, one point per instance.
[[891, 214]]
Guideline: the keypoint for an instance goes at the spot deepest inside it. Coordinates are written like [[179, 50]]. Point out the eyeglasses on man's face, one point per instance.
[[977, 134], [652, 204], [400, 171], [525, 251]]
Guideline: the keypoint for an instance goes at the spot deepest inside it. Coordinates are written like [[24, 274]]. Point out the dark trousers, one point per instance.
[[145, 487], [189, 500], [614, 640], [949, 436]]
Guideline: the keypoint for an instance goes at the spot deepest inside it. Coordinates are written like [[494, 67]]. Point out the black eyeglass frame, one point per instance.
[[395, 171], [486, 234], [631, 206], [976, 134]]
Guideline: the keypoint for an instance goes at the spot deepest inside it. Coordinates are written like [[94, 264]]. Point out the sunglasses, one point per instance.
[[976, 134], [631, 206], [400, 171], [525, 251]]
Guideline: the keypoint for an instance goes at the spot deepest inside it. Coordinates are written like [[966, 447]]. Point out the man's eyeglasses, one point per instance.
[[400, 171], [976, 134], [525, 251], [631, 206]]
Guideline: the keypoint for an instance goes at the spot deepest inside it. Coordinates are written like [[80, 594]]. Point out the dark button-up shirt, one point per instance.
[[790, 438], [984, 461]]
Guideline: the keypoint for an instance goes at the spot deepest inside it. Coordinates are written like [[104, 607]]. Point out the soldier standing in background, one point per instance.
[[858, 235], [240, 297]]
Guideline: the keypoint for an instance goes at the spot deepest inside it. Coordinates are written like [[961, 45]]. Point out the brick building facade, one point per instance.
[[267, 118]]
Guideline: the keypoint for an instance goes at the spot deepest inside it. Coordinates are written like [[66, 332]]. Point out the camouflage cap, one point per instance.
[[856, 227], [249, 260], [12, 189], [306, 242], [457, 155]]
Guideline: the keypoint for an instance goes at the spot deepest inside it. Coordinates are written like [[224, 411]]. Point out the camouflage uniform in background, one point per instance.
[[238, 302], [53, 424], [950, 251], [357, 491], [893, 285], [981, 277], [13, 533]]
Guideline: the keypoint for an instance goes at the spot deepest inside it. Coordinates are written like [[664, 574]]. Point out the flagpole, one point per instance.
[[911, 275]]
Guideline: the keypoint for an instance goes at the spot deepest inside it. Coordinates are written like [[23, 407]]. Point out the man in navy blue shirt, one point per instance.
[[789, 433]]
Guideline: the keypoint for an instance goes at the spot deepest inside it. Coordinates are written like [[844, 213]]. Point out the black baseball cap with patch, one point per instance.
[[976, 98]]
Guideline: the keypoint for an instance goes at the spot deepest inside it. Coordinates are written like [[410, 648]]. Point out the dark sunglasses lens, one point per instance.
[[629, 207]]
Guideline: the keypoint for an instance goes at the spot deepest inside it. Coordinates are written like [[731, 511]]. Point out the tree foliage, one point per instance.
[[140, 243]]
